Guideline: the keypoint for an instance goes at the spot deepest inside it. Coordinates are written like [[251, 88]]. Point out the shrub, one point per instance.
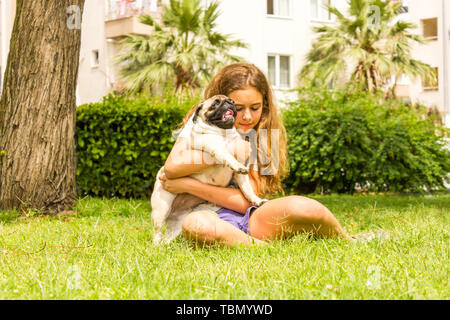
[[124, 140], [339, 140]]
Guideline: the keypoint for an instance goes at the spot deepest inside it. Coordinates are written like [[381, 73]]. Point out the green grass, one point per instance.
[[105, 252]]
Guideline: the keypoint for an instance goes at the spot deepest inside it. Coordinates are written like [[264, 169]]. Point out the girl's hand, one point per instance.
[[176, 186]]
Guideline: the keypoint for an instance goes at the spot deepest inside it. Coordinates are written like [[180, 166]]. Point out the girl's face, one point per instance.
[[249, 106]]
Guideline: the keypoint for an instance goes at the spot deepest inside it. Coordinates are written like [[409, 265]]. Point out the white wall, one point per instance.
[[267, 34], [7, 15], [93, 81], [246, 20], [432, 52]]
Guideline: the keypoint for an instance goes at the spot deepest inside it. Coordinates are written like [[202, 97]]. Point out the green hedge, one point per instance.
[[123, 141], [336, 141], [341, 140]]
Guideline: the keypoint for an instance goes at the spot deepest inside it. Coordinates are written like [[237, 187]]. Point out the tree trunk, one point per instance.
[[37, 108]]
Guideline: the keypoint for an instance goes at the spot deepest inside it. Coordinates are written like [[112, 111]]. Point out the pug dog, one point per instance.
[[213, 128]]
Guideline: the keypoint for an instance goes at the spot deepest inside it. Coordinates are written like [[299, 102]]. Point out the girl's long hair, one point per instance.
[[239, 76]]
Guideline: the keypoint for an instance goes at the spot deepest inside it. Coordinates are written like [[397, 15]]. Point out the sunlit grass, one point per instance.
[[104, 251]]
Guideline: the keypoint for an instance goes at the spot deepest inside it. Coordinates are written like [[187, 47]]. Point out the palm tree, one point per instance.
[[368, 44], [184, 50]]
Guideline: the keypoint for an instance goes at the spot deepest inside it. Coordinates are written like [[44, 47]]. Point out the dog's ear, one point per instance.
[[196, 112]]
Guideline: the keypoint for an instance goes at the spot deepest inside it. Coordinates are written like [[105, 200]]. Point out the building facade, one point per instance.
[[432, 18], [278, 32], [104, 22]]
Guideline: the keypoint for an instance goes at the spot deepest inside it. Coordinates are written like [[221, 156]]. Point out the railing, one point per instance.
[[404, 8], [117, 9]]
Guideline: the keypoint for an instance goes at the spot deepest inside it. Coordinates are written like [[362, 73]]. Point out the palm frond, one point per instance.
[[183, 49], [375, 52]]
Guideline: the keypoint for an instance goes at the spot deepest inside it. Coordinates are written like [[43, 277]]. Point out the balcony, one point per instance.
[[122, 16], [404, 8]]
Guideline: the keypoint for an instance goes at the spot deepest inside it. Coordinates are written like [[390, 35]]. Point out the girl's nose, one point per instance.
[[247, 115]]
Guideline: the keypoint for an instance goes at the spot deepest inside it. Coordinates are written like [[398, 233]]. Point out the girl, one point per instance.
[[238, 222]]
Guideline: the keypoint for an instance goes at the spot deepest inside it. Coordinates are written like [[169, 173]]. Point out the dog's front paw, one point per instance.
[[260, 202], [242, 170], [239, 168]]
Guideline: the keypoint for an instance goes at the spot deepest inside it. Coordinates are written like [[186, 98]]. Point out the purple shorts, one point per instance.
[[237, 219]]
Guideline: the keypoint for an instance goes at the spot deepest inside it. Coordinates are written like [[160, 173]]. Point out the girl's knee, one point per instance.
[[199, 226], [307, 208]]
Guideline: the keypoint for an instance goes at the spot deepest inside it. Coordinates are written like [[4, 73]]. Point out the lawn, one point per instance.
[[105, 251]]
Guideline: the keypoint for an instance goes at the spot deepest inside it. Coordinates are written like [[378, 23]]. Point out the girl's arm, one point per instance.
[[229, 198], [184, 161]]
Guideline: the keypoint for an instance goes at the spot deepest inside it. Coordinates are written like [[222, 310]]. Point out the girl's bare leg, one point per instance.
[[205, 227], [283, 217]]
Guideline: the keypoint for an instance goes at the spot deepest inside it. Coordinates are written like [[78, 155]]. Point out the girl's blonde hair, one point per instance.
[[239, 76]]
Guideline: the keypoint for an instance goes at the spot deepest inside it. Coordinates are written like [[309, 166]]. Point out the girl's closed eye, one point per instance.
[[253, 109]]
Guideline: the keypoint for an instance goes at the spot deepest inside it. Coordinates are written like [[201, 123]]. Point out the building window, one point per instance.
[[430, 28], [95, 59], [432, 85], [319, 11], [279, 71], [279, 8]]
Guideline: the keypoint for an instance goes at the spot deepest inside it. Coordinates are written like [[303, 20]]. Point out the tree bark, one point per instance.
[[37, 109]]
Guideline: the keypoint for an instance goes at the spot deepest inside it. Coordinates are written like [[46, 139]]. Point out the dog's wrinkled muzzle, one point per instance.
[[224, 115], [230, 110], [227, 114]]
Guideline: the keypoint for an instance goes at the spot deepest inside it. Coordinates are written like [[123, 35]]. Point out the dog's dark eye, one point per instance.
[[215, 104]]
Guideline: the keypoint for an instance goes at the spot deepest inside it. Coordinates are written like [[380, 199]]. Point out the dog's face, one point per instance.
[[218, 111]]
